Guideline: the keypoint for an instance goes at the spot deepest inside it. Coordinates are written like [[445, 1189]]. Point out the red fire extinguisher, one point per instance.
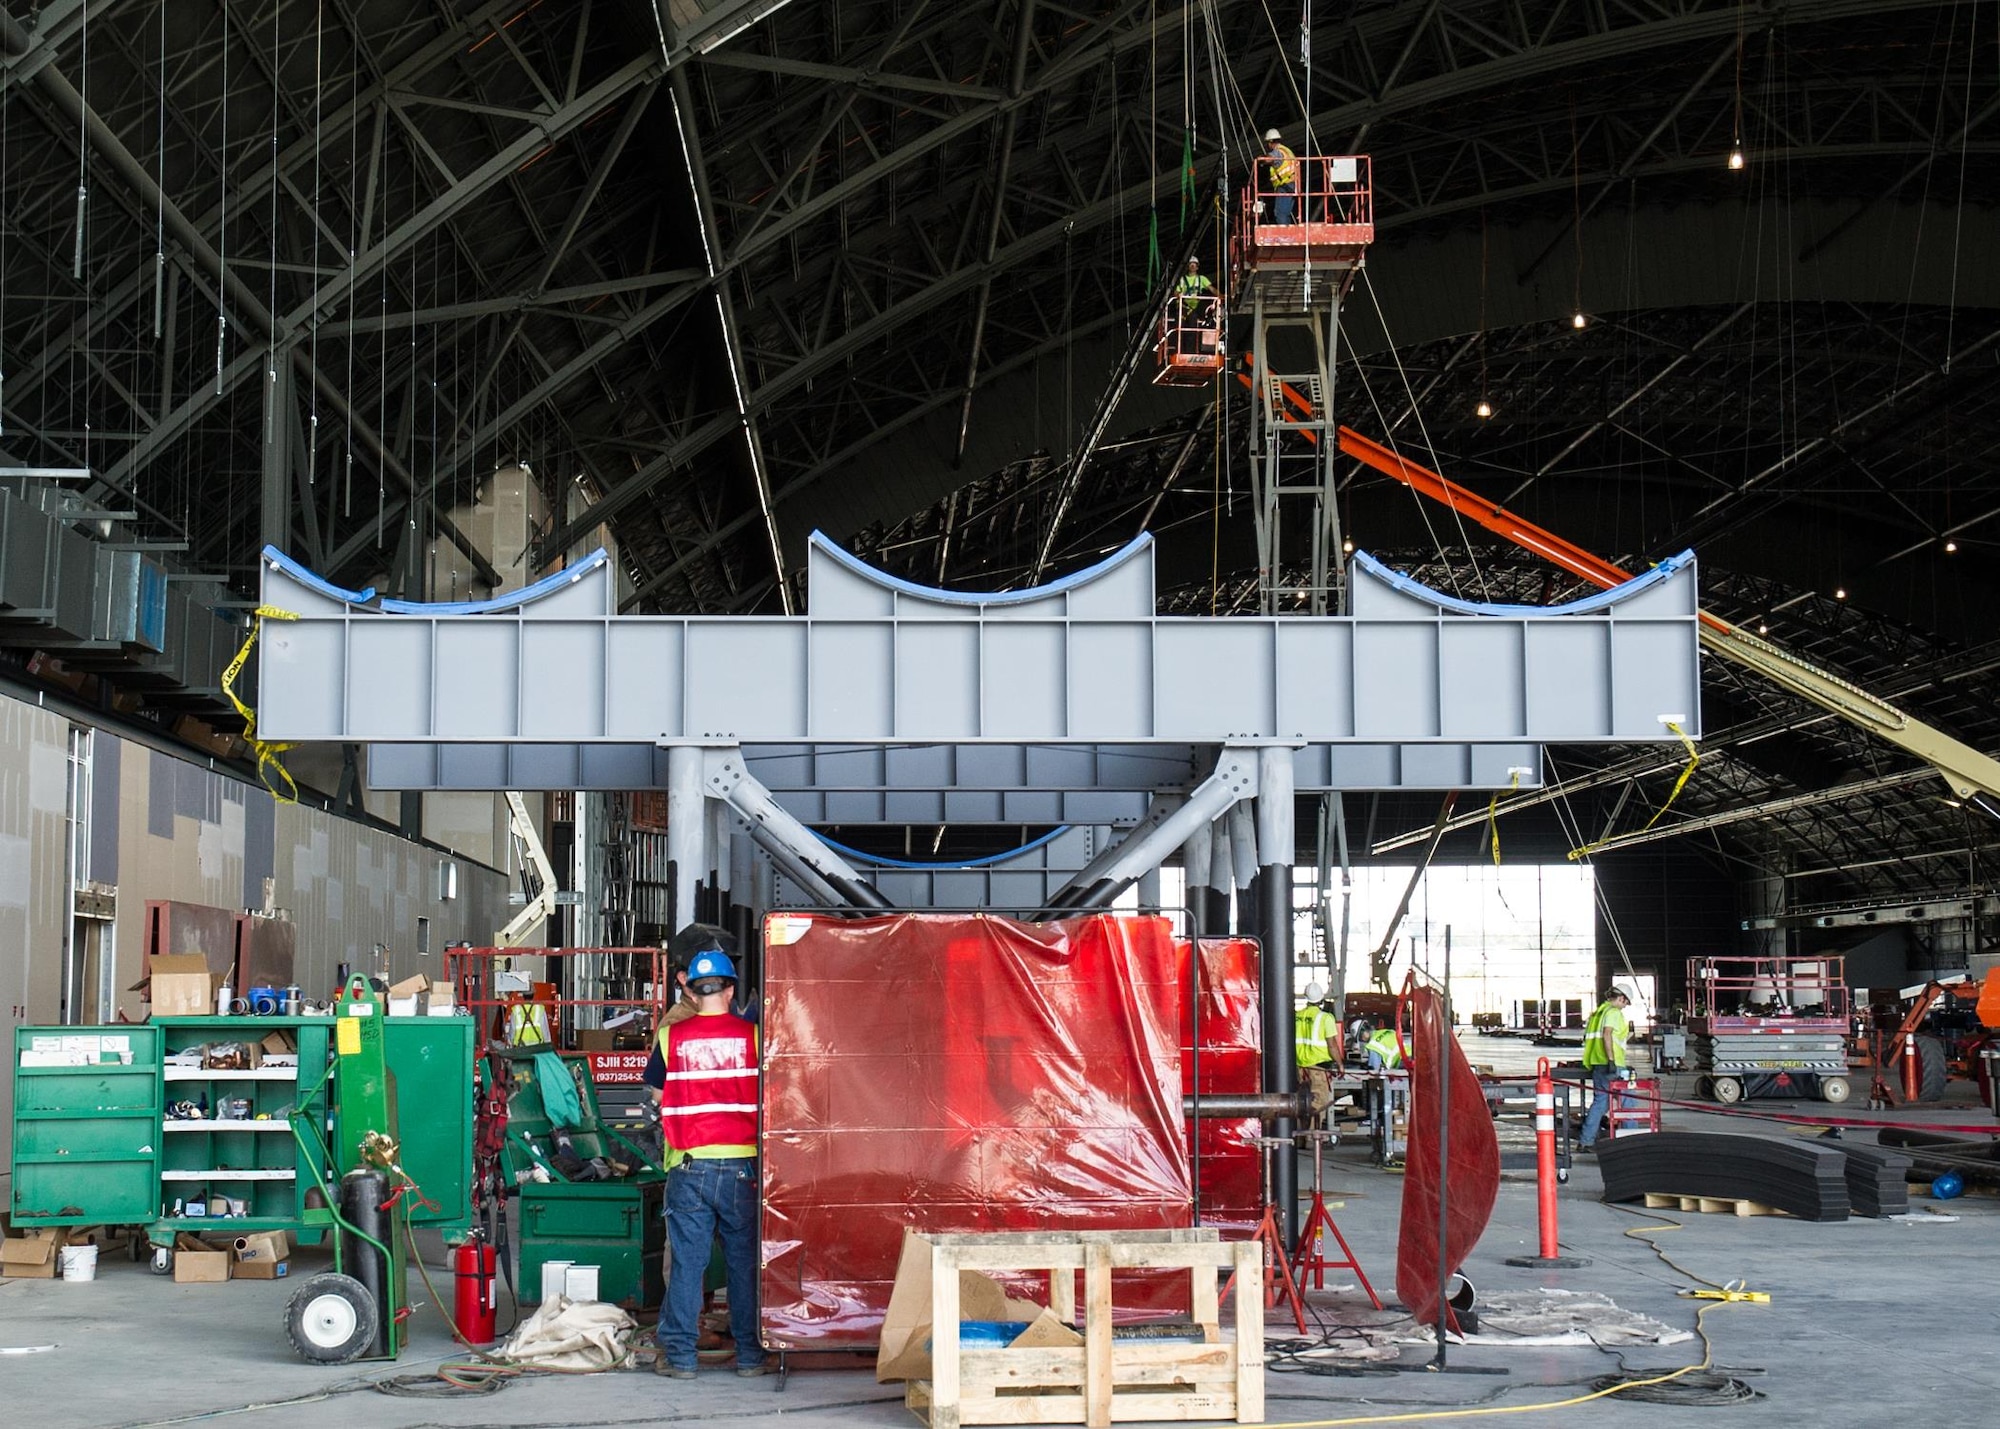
[[474, 1300]]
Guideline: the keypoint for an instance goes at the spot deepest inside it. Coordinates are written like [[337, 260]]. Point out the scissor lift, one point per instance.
[[1294, 275]]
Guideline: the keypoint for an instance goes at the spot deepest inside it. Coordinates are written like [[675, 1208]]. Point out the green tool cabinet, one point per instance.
[[93, 1144], [86, 1132]]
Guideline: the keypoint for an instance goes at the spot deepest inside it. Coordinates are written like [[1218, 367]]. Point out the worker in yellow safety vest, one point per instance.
[[1316, 1040], [1385, 1053], [1604, 1058], [527, 1024], [1281, 178]]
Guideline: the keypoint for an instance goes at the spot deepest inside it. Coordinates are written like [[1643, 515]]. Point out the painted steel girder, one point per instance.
[[878, 660]]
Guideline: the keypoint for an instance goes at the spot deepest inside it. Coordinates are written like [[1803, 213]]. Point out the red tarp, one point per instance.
[[1231, 1182], [1472, 1156], [957, 1072]]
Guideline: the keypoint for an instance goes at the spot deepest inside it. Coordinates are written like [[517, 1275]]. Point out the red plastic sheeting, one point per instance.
[[1231, 1180], [957, 1072], [1472, 1155]]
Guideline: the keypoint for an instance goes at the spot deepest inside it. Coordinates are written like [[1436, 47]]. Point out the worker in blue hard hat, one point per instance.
[[705, 1072]]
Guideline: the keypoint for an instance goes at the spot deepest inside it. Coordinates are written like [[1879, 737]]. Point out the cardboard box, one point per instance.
[[262, 1255], [405, 996], [196, 1262], [905, 1351], [178, 985], [31, 1254], [595, 1039]]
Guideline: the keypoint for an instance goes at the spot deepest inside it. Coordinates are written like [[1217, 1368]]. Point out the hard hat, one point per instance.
[[710, 966], [1193, 262], [1269, 135], [1315, 991]]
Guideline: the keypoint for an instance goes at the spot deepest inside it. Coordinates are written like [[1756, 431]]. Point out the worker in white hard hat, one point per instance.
[[1281, 178], [1316, 1040]]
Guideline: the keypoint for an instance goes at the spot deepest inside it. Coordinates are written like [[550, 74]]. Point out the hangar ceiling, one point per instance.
[[301, 271]]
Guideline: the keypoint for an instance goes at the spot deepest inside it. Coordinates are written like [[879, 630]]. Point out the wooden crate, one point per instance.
[[1104, 1380]]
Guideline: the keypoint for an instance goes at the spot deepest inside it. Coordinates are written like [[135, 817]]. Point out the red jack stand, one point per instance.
[[1310, 1255], [1277, 1268]]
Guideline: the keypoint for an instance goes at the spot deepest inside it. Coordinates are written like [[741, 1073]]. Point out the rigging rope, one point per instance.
[[1694, 759], [267, 751]]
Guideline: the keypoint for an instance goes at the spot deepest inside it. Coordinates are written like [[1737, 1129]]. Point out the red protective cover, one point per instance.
[[957, 1072], [1472, 1156], [1231, 1181]]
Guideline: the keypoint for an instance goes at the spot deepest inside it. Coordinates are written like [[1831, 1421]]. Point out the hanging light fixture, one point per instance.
[[1347, 547], [1762, 628], [1736, 156], [1578, 320], [1483, 410], [1950, 547], [1840, 592]]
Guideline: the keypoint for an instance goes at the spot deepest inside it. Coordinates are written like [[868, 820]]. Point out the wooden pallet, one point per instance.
[[1711, 1205], [1103, 1380]]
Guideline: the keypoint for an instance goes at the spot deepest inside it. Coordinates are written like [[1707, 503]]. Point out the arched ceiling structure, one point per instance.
[[723, 271]]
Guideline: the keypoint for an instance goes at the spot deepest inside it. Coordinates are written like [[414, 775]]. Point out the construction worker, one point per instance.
[[1385, 1052], [707, 1069], [1604, 1058], [1197, 295], [1281, 178], [1316, 1039]]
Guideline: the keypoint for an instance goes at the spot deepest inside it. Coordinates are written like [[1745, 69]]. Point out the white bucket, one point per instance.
[[78, 1262]]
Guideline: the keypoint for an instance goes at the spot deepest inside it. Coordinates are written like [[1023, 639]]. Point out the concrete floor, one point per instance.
[[1868, 1320]]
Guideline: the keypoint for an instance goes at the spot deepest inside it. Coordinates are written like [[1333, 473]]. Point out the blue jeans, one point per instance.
[[1601, 1079], [704, 1199], [1285, 205]]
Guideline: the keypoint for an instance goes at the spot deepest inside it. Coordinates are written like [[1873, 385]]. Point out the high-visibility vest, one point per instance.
[[1383, 1044], [708, 1100], [527, 1025], [1594, 1054], [1195, 285], [1282, 165], [1313, 1030]]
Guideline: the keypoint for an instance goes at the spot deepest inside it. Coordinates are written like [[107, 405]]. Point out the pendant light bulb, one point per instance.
[[1950, 547], [1578, 320], [1736, 157], [1483, 410]]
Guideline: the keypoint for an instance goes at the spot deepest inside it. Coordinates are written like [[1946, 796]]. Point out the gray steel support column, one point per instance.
[[1149, 890], [1243, 867], [716, 874], [687, 829], [725, 777], [1276, 849], [763, 887], [1196, 854], [742, 918], [1221, 873]]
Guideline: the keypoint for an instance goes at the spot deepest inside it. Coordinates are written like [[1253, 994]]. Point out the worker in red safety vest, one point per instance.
[[707, 1083]]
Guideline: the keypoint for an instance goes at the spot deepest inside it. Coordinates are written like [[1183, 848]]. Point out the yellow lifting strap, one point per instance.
[[1733, 1291], [266, 750], [1694, 759], [1493, 816]]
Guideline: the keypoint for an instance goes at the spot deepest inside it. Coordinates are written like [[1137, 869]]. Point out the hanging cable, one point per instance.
[[222, 224], [160, 211], [319, 84], [82, 153], [271, 348], [1694, 760]]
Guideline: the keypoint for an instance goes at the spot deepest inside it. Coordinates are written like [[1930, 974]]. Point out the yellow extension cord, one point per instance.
[[1735, 1295]]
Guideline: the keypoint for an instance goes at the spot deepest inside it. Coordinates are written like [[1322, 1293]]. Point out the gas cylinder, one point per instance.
[[474, 1295]]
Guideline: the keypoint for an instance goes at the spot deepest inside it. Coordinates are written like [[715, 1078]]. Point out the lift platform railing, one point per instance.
[[1189, 346], [1326, 214]]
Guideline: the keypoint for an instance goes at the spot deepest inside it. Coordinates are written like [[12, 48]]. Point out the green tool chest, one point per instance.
[[613, 1225], [86, 1126], [102, 1143]]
